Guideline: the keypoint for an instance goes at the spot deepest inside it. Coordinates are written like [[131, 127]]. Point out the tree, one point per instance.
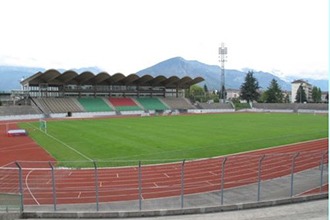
[[327, 97], [224, 95], [196, 93], [249, 89], [286, 98], [206, 89], [316, 94], [274, 93], [301, 95]]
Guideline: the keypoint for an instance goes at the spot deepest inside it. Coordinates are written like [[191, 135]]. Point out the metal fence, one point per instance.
[[150, 185]]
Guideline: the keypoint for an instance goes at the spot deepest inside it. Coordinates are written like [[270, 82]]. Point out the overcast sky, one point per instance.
[[290, 37]]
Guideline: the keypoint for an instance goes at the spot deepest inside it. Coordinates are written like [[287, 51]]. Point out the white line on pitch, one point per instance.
[[66, 145]]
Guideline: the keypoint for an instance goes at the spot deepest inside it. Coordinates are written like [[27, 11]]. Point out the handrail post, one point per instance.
[[322, 166], [182, 183], [53, 184], [259, 175], [20, 179], [223, 177], [96, 186], [140, 186], [292, 171]]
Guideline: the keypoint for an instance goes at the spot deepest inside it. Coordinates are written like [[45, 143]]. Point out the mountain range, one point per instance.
[[180, 67], [11, 75]]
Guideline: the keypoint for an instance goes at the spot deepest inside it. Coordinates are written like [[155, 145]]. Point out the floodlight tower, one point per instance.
[[222, 56]]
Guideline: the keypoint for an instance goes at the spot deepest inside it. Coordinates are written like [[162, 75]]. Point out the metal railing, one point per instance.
[[139, 185]]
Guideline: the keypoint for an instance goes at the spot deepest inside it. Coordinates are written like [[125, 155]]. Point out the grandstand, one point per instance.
[[55, 94]]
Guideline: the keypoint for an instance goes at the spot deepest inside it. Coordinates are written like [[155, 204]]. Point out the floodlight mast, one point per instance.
[[222, 56]]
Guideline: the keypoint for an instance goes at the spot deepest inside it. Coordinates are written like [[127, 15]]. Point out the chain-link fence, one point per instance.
[[146, 185]]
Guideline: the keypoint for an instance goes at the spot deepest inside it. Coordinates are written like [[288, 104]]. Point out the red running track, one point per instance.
[[122, 184]]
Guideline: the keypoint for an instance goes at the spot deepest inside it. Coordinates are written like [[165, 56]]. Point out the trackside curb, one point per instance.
[[155, 213]]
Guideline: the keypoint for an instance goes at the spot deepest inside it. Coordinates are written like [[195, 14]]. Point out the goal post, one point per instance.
[[43, 125]]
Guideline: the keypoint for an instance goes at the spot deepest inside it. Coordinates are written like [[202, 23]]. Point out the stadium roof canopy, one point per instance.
[[53, 77]]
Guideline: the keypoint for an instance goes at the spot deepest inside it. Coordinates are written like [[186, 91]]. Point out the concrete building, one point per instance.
[[233, 93], [306, 87]]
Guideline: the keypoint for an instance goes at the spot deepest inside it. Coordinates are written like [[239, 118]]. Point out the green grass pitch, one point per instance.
[[159, 138]]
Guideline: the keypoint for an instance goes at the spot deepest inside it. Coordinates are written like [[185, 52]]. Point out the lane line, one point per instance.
[[28, 188], [214, 174]]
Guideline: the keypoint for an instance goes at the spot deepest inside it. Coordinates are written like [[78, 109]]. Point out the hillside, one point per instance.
[[211, 73], [11, 75]]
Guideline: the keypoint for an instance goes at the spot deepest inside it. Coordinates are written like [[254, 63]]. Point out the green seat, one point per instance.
[[94, 105], [151, 104]]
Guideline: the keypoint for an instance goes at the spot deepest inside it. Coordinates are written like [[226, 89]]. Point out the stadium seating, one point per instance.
[[57, 105], [18, 110], [177, 103], [151, 104], [94, 104], [41, 105], [124, 104]]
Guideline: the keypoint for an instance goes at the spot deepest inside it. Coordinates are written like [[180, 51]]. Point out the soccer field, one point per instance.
[[174, 137]]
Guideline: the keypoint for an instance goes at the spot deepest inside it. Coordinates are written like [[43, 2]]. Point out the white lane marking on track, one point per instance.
[[4, 166], [4, 177], [214, 174], [28, 188], [79, 195], [166, 175], [117, 175]]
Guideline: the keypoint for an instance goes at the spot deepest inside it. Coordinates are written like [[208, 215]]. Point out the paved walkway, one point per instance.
[[313, 210]]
